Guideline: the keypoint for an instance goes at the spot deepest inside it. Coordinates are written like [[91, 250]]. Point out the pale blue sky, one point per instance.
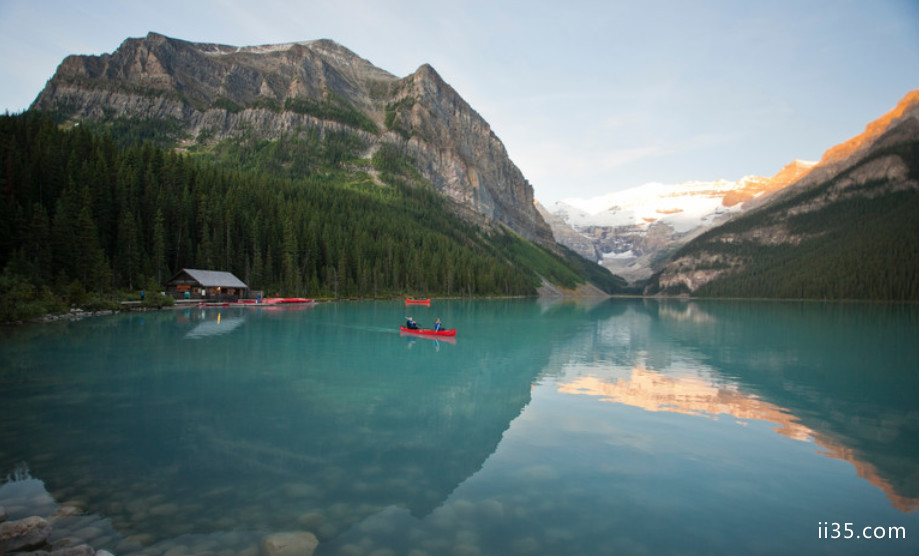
[[587, 97]]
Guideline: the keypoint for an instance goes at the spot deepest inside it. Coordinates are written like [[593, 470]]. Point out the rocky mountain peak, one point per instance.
[[476, 171], [220, 92], [427, 71]]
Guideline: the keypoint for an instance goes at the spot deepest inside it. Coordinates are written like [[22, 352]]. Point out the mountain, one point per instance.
[[629, 231], [848, 229], [206, 98], [301, 168]]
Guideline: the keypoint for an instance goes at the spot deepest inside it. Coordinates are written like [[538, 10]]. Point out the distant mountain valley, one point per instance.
[[631, 231], [640, 231]]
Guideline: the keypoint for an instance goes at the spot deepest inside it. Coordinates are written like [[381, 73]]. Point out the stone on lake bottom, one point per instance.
[[79, 550], [525, 545], [311, 520], [65, 511], [289, 544], [23, 534]]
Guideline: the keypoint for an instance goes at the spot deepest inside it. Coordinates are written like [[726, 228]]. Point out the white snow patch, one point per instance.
[[683, 206], [624, 255], [260, 49]]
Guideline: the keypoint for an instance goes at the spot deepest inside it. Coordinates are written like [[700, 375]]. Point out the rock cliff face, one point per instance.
[[456, 149], [581, 242], [882, 161], [216, 92]]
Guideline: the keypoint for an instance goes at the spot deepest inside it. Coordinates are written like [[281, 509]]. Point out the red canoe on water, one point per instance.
[[428, 331], [416, 301]]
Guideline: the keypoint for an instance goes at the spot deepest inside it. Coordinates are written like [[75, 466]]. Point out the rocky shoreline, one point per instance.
[[80, 314], [33, 523], [31, 536], [74, 314], [36, 536]]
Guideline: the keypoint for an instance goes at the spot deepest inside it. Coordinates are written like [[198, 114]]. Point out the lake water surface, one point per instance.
[[588, 428]]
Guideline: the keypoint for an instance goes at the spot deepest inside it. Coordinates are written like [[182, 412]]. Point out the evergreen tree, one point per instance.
[[159, 248]]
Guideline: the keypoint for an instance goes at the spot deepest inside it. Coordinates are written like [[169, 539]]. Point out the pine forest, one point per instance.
[[86, 213]]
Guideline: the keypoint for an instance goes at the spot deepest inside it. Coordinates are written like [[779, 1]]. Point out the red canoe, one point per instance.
[[416, 301], [428, 331]]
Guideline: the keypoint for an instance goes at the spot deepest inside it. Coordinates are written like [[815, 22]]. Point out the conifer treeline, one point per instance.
[[861, 248], [77, 208]]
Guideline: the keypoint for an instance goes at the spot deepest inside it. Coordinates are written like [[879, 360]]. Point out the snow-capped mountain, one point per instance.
[[626, 231], [684, 206]]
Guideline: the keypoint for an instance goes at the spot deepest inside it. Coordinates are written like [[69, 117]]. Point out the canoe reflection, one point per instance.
[[435, 339]]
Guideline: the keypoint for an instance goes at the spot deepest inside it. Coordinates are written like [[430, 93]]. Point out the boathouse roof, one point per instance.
[[208, 278]]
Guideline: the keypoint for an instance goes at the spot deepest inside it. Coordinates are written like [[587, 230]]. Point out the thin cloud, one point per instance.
[[622, 157]]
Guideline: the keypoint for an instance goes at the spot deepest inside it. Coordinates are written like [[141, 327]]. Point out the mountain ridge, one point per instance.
[[846, 230], [215, 91], [849, 152]]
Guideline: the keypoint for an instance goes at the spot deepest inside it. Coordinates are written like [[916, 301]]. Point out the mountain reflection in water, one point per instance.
[[655, 391], [200, 431]]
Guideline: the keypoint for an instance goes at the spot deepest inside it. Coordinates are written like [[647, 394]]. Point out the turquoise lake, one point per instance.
[[621, 426]]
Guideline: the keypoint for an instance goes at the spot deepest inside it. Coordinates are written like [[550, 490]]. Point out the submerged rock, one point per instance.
[[66, 511], [297, 543], [23, 534], [79, 550]]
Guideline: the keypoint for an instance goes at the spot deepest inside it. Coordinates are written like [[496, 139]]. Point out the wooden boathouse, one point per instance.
[[191, 283]]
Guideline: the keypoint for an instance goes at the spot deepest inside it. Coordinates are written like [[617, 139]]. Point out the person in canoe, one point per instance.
[[411, 324], [438, 326]]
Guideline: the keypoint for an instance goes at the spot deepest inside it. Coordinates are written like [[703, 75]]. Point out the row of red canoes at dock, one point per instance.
[[276, 300], [256, 302]]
